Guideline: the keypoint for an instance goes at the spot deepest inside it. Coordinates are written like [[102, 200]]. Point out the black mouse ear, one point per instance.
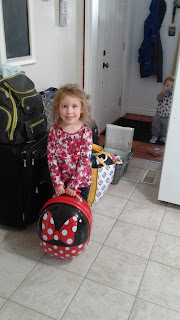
[[104, 157]]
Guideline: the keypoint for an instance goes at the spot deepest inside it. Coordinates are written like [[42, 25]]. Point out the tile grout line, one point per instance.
[[105, 285], [72, 297], [19, 304], [136, 297], [153, 303], [150, 254], [23, 280]]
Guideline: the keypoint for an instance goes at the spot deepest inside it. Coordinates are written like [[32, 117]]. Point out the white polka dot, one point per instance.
[[74, 229], [62, 258], [55, 247], [74, 218], [51, 255], [49, 249], [69, 241], [52, 221], [80, 246], [45, 237], [45, 216], [44, 243], [67, 255], [73, 256], [43, 226], [64, 232], [45, 250], [55, 237], [73, 251], [40, 244], [67, 248], [55, 254], [79, 252], [50, 231], [66, 222], [85, 245], [60, 251]]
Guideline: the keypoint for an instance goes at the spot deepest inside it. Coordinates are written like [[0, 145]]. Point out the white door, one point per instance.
[[112, 27]]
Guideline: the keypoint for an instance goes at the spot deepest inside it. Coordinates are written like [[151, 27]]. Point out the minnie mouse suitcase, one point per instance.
[[64, 226]]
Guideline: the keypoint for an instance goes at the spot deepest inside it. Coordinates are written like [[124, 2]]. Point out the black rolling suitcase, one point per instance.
[[25, 182]]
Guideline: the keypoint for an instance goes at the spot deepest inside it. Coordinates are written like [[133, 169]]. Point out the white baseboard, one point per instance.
[[150, 113]]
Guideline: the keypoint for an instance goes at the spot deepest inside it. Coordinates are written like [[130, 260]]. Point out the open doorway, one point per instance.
[[138, 96]]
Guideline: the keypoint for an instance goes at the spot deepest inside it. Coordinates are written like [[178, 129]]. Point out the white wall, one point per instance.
[[139, 94], [58, 50], [169, 190]]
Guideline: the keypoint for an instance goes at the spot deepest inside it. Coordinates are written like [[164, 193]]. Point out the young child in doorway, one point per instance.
[[160, 120], [69, 143]]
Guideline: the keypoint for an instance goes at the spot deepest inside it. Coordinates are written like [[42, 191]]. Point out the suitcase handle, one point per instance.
[[76, 195]]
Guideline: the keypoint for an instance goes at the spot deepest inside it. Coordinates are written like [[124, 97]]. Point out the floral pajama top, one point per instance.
[[69, 157]]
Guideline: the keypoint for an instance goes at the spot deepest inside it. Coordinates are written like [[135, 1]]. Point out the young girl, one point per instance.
[[70, 142], [160, 120]]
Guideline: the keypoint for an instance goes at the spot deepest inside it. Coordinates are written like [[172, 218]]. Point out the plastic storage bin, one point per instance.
[[118, 140]]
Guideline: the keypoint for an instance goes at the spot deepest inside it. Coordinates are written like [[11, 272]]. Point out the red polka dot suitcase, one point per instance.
[[64, 226]]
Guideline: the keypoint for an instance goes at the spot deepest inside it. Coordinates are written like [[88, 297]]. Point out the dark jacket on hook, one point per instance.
[[150, 52]]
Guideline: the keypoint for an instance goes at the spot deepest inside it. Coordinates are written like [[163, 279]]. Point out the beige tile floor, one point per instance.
[[130, 270]]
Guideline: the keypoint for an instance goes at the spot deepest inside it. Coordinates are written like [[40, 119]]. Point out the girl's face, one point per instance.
[[70, 110]]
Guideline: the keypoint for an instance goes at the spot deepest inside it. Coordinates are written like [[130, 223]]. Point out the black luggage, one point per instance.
[[25, 182]]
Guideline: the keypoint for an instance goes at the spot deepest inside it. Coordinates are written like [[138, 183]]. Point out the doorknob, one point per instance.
[[105, 65]]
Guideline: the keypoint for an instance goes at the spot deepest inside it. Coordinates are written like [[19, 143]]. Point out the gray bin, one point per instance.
[[118, 140]]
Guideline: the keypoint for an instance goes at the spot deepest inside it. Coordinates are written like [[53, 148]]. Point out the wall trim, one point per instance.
[[143, 112], [87, 45]]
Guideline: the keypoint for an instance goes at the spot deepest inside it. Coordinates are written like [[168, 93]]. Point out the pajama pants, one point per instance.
[[159, 126], [85, 192]]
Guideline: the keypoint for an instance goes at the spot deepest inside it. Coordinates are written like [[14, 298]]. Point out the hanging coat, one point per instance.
[[157, 51], [150, 52]]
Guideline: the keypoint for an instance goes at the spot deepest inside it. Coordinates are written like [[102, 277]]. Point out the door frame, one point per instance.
[[91, 61], [91, 12]]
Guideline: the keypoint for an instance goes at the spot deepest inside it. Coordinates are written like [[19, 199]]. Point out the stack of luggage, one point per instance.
[[25, 180]]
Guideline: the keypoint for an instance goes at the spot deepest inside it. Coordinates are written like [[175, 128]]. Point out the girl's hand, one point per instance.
[[164, 91], [60, 190], [70, 192]]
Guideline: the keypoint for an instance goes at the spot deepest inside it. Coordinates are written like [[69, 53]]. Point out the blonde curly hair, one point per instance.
[[75, 91]]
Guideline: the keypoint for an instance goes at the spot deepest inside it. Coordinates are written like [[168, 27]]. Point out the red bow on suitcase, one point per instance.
[[65, 234]]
